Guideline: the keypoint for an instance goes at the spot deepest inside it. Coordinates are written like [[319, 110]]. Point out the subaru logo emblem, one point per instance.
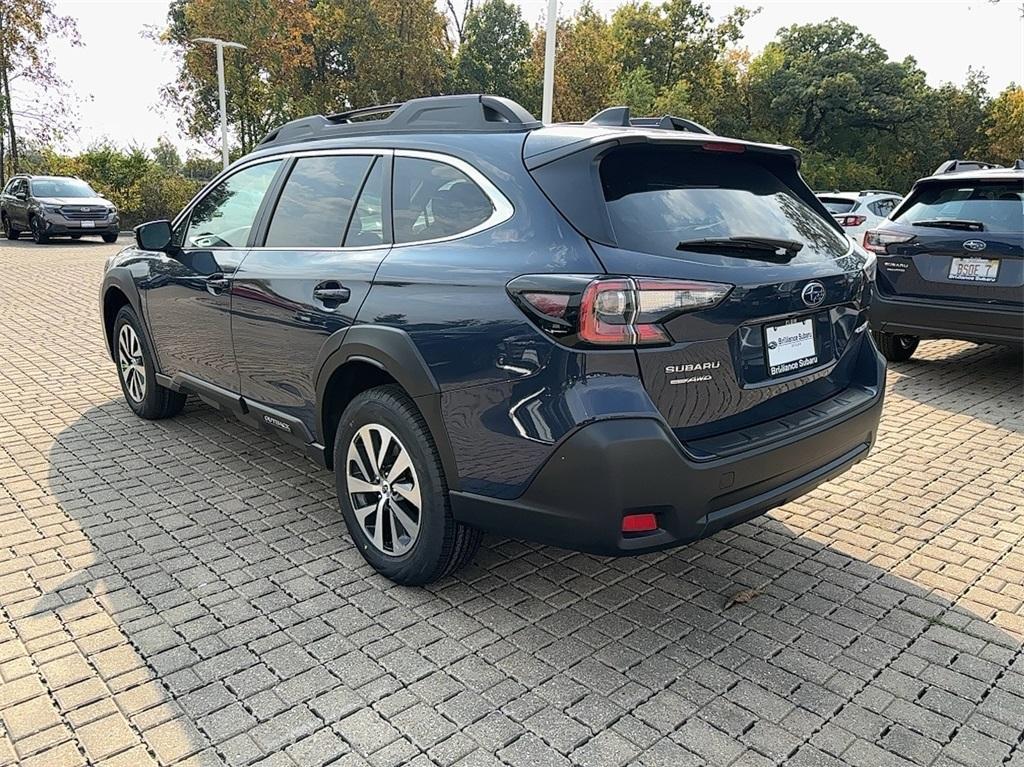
[[813, 294], [974, 245]]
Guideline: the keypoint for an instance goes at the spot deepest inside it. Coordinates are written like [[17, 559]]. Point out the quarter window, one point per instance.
[[433, 199], [224, 217], [317, 201], [367, 225]]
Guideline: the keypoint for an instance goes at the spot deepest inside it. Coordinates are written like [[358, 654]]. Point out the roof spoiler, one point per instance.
[[619, 117], [472, 113]]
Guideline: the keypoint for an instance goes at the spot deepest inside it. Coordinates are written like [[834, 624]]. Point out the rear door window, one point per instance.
[[317, 201], [432, 200], [997, 205], [658, 198]]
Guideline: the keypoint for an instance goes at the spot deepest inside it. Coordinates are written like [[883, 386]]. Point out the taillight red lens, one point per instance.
[[878, 241], [852, 220], [549, 304], [629, 311], [639, 523]]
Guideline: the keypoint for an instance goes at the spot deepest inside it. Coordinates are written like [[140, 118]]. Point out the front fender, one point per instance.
[[118, 278]]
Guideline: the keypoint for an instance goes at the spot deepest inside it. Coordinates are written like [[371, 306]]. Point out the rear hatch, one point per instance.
[[956, 239], [729, 213]]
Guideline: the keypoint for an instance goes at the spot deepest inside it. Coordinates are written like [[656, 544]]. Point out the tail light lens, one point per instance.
[[878, 240], [616, 311], [851, 220]]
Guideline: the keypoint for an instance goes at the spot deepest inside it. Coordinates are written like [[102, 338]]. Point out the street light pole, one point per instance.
[[549, 62], [221, 45]]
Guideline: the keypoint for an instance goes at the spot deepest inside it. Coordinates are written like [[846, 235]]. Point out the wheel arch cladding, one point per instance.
[[114, 298], [373, 355]]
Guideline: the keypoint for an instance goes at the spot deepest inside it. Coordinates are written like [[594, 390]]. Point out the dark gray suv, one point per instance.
[[56, 206]]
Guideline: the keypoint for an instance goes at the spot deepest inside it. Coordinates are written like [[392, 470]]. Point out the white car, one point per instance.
[[857, 212]]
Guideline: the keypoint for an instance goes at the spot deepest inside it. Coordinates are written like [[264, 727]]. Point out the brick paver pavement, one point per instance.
[[184, 592]]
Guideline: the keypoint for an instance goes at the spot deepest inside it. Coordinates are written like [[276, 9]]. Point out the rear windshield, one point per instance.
[[658, 198], [837, 204], [998, 205]]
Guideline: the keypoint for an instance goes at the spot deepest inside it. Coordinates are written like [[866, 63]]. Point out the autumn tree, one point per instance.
[[494, 54], [586, 72], [1005, 131], [26, 27]]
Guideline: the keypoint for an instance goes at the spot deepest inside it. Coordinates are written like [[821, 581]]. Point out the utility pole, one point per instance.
[[221, 45], [549, 61]]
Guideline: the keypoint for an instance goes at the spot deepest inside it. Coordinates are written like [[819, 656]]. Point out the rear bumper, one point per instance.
[[946, 319], [611, 468]]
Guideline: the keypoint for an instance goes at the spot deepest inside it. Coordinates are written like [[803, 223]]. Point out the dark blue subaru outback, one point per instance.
[[615, 337]]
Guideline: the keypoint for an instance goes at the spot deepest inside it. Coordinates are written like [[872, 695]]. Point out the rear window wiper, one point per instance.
[[765, 245], [951, 223]]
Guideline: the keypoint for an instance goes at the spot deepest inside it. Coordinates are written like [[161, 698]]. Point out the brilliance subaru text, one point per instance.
[[616, 337]]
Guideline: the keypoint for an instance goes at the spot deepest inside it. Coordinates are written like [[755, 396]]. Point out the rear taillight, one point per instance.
[[851, 220], [878, 240], [612, 311]]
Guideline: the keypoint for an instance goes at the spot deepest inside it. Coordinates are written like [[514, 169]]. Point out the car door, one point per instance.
[[186, 295], [318, 249], [17, 209]]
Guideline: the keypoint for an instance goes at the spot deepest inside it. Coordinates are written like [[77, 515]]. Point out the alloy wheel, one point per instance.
[[129, 359], [383, 489]]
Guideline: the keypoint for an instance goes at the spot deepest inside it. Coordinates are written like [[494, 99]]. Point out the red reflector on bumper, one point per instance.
[[639, 523]]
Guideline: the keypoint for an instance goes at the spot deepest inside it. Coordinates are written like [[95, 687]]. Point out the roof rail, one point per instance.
[[952, 166], [470, 113], [619, 117], [866, 192]]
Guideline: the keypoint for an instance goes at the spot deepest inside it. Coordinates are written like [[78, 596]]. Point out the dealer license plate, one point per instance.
[[789, 346], [88, 224], [974, 269]]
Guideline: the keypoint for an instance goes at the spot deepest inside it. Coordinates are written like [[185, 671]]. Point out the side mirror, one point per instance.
[[21, 195], [154, 235]]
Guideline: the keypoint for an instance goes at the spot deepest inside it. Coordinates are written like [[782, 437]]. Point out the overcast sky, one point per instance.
[[117, 73]]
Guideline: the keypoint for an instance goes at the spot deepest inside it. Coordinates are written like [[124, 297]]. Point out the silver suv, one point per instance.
[[56, 206]]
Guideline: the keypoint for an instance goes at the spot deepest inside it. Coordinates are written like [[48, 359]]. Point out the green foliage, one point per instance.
[[139, 184], [1005, 130], [494, 52], [636, 91]]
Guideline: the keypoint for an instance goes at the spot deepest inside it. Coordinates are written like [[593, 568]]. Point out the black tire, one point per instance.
[[10, 231], [39, 237], [895, 348], [156, 401], [110, 238], [441, 545]]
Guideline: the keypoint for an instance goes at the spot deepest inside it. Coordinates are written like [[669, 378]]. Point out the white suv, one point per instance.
[[857, 212]]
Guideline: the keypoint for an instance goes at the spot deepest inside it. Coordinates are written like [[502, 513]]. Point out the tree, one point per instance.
[[1005, 131], [494, 51], [587, 71], [636, 91], [262, 82], [26, 26]]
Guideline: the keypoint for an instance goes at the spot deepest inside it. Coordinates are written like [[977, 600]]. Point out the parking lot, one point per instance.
[[184, 592]]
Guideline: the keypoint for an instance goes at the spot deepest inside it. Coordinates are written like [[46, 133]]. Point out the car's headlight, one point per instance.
[[111, 211], [51, 208]]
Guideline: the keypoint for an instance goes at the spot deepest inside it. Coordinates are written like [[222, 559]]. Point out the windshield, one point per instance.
[[658, 198], [998, 205], [61, 187], [837, 204]]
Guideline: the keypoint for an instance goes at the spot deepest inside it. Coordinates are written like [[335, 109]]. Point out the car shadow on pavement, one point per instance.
[[210, 604], [969, 381]]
